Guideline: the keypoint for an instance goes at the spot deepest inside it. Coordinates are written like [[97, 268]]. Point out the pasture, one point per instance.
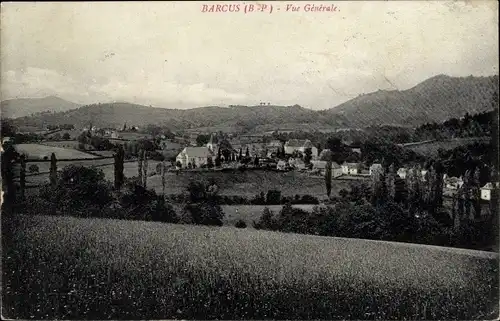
[[431, 149], [70, 268], [39, 151], [251, 182], [247, 183], [250, 213]]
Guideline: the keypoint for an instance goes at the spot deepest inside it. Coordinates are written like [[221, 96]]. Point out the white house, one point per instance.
[[281, 165], [402, 172], [350, 168], [194, 155], [300, 145], [374, 168], [321, 166], [453, 182], [297, 163], [487, 190]]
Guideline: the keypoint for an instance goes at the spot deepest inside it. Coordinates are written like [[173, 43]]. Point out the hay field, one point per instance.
[[39, 151], [70, 268]]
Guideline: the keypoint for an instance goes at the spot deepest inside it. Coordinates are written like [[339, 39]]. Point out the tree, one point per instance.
[[266, 221], [80, 191], [256, 161], [308, 156], [118, 168], [53, 170], [240, 155], [210, 163], [202, 140], [247, 153], [328, 178], [140, 161], [390, 182]]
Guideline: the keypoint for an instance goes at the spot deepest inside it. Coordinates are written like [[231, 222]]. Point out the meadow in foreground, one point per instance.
[[62, 267]]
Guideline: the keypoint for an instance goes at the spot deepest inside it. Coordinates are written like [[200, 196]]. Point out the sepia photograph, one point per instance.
[[249, 160]]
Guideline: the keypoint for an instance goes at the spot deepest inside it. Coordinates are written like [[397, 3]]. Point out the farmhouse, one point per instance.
[[350, 168], [281, 165], [375, 168], [298, 145], [453, 182], [195, 156], [321, 166], [297, 163], [487, 191], [402, 172]]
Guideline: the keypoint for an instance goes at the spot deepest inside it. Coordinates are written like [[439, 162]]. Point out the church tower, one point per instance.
[[211, 145]]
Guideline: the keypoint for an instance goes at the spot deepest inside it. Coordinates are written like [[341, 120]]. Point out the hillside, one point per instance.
[[14, 108], [236, 118], [114, 269], [435, 99]]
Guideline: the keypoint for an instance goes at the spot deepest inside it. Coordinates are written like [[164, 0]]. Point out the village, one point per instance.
[[204, 151]]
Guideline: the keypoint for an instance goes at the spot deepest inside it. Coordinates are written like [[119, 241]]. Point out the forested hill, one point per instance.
[[434, 100]]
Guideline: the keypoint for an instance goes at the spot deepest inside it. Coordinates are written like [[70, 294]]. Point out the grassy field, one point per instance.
[[250, 183], [250, 213], [39, 151], [69, 268], [432, 148], [247, 183]]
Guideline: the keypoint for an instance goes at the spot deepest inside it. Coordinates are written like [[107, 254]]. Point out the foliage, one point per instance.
[[33, 168], [240, 224]]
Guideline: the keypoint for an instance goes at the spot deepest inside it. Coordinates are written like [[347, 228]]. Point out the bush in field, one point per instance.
[[66, 136], [139, 203], [34, 168], [295, 220], [240, 224], [80, 191], [267, 221], [273, 197], [203, 208], [205, 213]]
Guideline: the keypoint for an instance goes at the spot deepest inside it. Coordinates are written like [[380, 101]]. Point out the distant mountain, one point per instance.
[[14, 108], [236, 118], [436, 99]]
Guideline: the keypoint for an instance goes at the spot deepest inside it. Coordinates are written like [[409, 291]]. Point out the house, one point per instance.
[[197, 156], [402, 172], [321, 167], [453, 182], [273, 144], [114, 134], [487, 191], [300, 145], [6, 140], [351, 168], [376, 167], [281, 165], [297, 163]]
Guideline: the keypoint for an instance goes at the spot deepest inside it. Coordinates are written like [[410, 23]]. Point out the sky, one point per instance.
[[173, 55]]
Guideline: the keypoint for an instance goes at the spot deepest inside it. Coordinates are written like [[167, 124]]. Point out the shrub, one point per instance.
[[267, 221], [66, 136], [80, 191], [34, 168], [205, 213], [273, 197], [240, 224]]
